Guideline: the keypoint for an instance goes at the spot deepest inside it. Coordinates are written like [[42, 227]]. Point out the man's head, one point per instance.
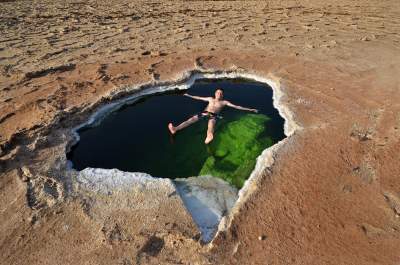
[[219, 93]]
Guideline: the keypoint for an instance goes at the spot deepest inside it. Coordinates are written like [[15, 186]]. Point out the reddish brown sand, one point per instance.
[[331, 197]]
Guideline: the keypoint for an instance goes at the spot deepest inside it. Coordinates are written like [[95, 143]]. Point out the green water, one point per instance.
[[238, 141]]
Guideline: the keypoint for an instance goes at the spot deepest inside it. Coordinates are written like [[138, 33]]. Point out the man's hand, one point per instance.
[[254, 110]]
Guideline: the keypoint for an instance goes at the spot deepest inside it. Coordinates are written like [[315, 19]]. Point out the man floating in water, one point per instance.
[[214, 107]]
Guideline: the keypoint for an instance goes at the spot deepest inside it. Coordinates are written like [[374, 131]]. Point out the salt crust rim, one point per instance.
[[264, 161]]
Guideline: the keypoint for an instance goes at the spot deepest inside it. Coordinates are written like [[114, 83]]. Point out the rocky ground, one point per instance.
[[332, 195]]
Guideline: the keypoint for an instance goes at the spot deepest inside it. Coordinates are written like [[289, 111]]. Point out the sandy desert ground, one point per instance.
[[332, 195]]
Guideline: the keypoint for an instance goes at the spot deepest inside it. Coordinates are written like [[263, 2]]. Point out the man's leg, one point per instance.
[[210, 130], [183, 125]]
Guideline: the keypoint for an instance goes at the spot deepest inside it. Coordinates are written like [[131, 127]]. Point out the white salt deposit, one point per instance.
[[207, 199]]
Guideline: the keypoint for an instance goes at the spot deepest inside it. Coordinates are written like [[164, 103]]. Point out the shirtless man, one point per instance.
[[215, 105]]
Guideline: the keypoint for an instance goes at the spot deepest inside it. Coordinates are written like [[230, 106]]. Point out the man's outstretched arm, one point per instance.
[[240, 107], [199, 98]]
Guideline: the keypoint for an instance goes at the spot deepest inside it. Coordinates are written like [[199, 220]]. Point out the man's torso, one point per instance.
[[215, 106]]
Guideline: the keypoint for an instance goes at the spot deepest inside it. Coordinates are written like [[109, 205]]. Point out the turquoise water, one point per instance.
[[136, 139]]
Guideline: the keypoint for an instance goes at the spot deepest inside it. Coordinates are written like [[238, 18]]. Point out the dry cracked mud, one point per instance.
[[332, 194]]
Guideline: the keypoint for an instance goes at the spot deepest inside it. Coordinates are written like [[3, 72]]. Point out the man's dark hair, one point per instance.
[[218, 88]]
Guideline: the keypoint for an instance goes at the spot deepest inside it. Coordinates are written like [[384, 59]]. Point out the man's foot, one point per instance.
[[171, 128], [209, 138]]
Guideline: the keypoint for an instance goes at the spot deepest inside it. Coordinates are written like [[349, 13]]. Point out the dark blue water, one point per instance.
[[136, 139]]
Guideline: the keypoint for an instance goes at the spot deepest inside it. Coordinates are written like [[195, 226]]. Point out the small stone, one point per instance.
[[262, 237], [32, 219], [347, 188], [310, 46], [365, 38], [25, 174], [24, 178], [333, 43], [121, 30], [155, 53]]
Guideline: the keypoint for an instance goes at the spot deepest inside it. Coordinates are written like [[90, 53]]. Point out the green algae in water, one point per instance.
[[238, 141], [235, 149]]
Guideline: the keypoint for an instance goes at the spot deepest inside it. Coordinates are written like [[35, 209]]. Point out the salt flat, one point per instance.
[[332, 194]]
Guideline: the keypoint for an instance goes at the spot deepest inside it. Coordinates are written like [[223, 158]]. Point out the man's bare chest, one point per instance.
[[216, 104]]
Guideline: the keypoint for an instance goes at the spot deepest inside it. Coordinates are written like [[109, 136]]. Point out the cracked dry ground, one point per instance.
[[331, 197]]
